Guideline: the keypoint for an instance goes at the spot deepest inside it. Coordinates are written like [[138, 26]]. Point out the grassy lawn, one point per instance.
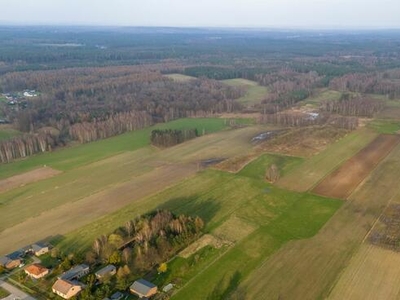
[[3, 293], [79, 155], [312, 170], [254, 92], [180, 77], [321, 95]]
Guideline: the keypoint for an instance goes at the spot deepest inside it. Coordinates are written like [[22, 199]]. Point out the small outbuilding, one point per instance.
[[40, 249], [36, 271], [143, 289], [75, 273], [109, 270]]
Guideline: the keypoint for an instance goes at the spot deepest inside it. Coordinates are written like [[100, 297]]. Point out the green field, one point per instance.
[[254, 92], [79, 155], [385, 126], [275, 216], [312, 170], [3, 293], [180, 77], [256, 169]]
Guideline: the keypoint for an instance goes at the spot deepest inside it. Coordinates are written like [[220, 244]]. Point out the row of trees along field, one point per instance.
[[302, 120], [171, 137], [384, 83], [353, 105]]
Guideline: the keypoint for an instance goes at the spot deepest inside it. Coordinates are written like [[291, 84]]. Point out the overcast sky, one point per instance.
[[209, 13]]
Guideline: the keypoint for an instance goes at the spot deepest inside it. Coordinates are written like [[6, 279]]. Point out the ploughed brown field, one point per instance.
[[341, 182]]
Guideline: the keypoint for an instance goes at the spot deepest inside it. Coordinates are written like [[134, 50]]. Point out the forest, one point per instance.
[[94, 83]]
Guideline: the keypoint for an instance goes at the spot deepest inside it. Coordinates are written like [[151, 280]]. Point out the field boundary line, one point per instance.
[[337, 166]]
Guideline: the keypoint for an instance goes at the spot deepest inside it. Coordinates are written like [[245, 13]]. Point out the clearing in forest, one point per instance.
[[180, 77], [348, 176], [254, 93]]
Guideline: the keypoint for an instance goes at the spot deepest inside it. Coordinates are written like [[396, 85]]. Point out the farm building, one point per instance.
[[66, 289], [75, 273], [39, 249], [109, 270], [143, 289], [36, 271]]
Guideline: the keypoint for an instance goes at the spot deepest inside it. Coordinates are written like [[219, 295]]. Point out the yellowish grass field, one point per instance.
[[373, 273]]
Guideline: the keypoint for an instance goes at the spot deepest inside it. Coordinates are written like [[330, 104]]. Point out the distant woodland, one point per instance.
[[92, 84]]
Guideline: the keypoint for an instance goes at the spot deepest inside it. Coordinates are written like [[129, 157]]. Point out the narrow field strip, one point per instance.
[[341, 182], [26, 178]]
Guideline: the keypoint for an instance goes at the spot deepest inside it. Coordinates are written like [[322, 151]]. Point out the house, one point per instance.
[[10, 263], [39, 249], [109, 270], [66, 289], [75, 273], [36, 271], [143, 288]]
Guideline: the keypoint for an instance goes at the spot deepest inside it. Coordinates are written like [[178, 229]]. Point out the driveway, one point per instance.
[[15, 293]]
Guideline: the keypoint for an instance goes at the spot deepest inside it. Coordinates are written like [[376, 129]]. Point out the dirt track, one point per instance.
[[341, 182], [28, 177]]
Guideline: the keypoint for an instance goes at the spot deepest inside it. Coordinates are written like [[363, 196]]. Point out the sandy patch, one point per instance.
[[26, 178]]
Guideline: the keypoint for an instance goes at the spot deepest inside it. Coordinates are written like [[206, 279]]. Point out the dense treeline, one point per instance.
[[171, 137], [87, 94], [385, 83], [302, 120], [27, 144], [287, 87], [350, 105], [116, 124]]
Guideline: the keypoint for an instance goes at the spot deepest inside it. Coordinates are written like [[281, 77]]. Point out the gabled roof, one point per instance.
[[63, 286], [142, 286], [36, 269], [105, 270], [38, 246], [4, 260], [74, 272]]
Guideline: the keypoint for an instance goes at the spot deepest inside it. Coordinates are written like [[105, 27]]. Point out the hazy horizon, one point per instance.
[[309, 14]]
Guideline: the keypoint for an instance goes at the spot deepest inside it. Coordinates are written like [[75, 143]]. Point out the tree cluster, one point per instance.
[[116, 124], [26, 145], [171, 137], [146, 241], [350, 105], [303, 120]]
